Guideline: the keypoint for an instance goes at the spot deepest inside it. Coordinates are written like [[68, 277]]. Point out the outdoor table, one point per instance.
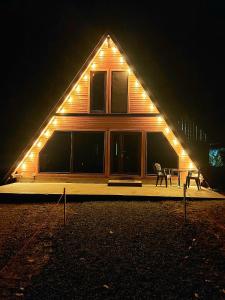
[[179, 171]]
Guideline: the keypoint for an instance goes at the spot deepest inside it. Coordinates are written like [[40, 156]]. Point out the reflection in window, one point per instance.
[[73, 152], [98, 91], [88, 152], [159, 150], [55, 156], [119, 92], [125, 152]]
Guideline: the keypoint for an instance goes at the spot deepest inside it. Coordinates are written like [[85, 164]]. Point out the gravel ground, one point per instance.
[[114, 250]]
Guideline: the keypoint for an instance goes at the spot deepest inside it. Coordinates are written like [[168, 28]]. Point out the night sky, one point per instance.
[[178, 49]]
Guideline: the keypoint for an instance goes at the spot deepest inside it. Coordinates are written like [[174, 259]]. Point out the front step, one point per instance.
[[124, 182]]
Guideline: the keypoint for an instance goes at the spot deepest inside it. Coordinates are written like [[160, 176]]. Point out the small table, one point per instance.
[[179, 171]]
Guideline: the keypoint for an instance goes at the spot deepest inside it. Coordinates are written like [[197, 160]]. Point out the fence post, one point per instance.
[[64, 194], [185, 204]]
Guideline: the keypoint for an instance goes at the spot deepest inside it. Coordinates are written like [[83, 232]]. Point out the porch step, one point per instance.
[[124, 182]]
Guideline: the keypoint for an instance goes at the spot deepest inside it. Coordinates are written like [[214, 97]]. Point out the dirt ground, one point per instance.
[[113, 250]]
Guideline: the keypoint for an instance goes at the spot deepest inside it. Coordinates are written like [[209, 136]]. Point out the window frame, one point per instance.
[[110, 89], [105, 92], [146, 152], [71, 171], [70, 156], [104, 149]]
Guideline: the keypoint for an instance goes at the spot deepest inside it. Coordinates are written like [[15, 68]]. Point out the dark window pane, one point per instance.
[[119, 93], [88, 152], [116, 150], [98, 87], [55, 156], [131, 153], [125, 153], [159, 150]]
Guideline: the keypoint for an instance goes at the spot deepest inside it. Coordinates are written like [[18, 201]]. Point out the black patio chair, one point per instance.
[[194, 175], [162, 174]]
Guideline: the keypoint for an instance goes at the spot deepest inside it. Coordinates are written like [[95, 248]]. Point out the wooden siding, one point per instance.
[[107, 124], [78, 102], [110, 61]]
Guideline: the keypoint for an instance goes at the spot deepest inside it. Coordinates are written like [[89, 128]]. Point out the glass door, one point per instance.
[[125, 153]]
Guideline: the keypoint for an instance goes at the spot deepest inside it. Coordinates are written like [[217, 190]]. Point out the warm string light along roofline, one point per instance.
[[30, 153], [76, 87], [53, 120], [167, 130], [92, 66], [182, 153]]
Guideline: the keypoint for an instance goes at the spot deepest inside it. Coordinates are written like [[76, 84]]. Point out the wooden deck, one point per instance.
[[100, 190]]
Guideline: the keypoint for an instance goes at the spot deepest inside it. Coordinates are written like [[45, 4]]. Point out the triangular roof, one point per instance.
[[73, 85]]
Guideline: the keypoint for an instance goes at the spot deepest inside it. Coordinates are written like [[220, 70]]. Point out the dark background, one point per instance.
[[178, 48]]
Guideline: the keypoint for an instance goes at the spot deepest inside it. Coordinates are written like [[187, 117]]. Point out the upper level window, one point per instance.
[[119, 92], [98, 91]]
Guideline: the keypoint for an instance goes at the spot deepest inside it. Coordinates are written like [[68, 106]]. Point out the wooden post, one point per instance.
[[185, 204], [64, 194]]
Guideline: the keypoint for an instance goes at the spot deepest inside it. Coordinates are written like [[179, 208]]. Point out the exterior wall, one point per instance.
[[109, 61], [77, 102], [109, 123]]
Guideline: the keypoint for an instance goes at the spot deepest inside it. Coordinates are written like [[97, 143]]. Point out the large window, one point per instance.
[[119, 92], [126, 153], [159, 150], [55, 156], [98, 91], [73, 152], [88, 152]]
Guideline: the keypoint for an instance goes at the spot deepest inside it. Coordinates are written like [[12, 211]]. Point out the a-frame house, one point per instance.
[[102, 127]]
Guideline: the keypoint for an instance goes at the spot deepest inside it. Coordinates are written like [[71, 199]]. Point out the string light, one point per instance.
[[85, 77], [70, 99], [121, 60], [93, 66], [24, 166], [101, 54], [191, 165], [160, 119], [167, 130], [129, 71], [78, 89], [31, 156], [144, 95], [137, 84], [152, 106], [175, 142], [47, 134], [114, 49], [183, 153], [62, 110], [55, 122], [39, 144], [105, 41]]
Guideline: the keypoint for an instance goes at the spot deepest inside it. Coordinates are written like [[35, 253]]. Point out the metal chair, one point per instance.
[[162, 174], [195, 175]]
